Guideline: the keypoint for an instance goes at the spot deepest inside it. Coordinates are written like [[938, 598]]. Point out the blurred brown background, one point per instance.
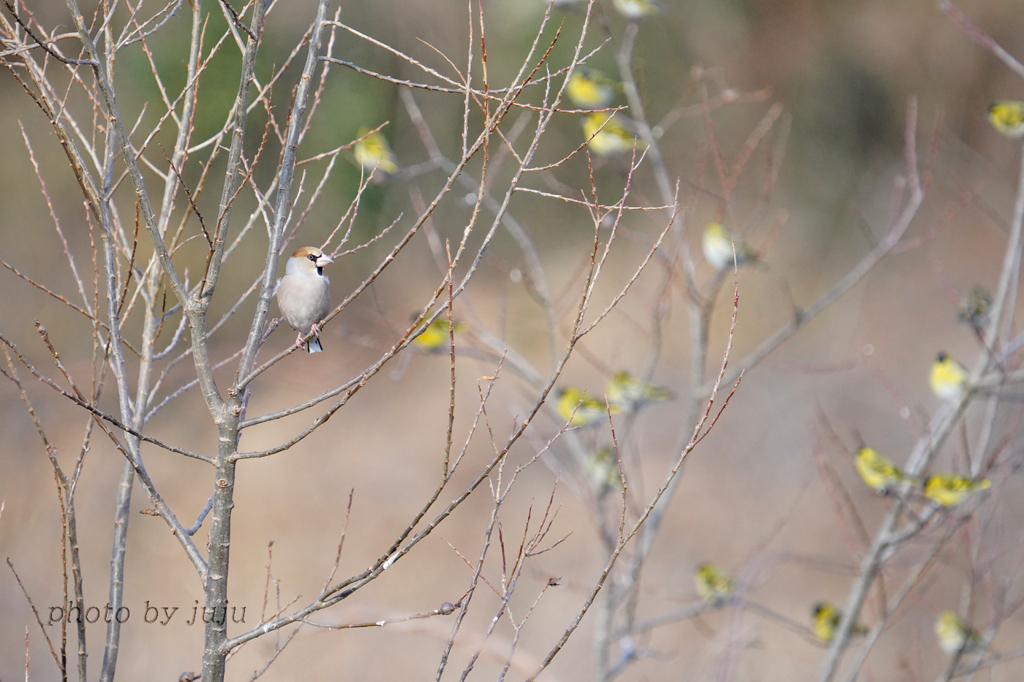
[[752, 498]]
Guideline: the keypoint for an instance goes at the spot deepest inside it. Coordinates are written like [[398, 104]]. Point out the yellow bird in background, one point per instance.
[[612, 138], [1007, 116], [374, 153], [603, 468], [713, 585], [877, 471], [955, 635], [950, 489], [436, 335], [825, 619], [629, 394], [974, 308], [948, 378], [717, 246], [579, 409], [588, 88], [638, 9]]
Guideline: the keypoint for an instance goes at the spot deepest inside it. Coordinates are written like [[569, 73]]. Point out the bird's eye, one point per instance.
[[312, 257]]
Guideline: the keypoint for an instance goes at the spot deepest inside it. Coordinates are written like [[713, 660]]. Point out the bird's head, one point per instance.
[[307, 261], [716, 230]]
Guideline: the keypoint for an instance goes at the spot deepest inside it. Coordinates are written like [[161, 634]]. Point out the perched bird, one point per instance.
[[825, 619], [304, 294], [713, 585], [974, 308], [878, 472], [635, 10], [950, 489], [436, 335], [955, 635], [579, 409], [374, 153], [602, 467], [948, 378], [612, 138], [1007, 116], [629, 394], [588, 88], [717, 245]]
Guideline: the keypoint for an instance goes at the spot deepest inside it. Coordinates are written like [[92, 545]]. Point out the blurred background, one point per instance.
[[752, 498]]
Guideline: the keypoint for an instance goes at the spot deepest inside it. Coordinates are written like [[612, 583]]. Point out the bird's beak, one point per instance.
[[324, 260]]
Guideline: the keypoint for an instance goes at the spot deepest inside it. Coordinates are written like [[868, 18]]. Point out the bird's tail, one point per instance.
[[314, 345], [658, 393], [912, 480]]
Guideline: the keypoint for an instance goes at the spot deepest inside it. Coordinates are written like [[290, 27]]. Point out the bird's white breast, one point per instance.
[[303, 299]]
